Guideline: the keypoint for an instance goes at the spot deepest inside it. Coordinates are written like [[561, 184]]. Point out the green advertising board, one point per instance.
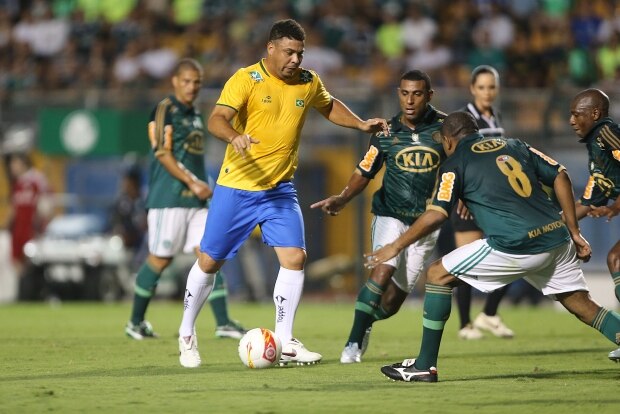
[[80, 132]]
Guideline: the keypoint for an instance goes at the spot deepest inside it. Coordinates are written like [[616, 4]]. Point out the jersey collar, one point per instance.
[[428, 118], [597, 126], [469, 138], [181, 105]]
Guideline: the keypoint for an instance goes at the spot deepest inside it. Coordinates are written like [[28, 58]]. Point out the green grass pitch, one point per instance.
[[74, 357]]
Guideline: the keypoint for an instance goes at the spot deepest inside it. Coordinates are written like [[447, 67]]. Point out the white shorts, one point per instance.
[[387, 229], [487, 269], [174, 229]]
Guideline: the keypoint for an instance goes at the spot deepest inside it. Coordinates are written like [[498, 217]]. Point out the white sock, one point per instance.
[[286, 295], [197, 290]]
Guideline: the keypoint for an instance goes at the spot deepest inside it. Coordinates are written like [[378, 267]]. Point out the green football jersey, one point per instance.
[[500, 182], [178, 129], [603, 144], [411, 159]]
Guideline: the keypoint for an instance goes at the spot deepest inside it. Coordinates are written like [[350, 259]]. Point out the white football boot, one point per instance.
[[295, 352], [351, 354], [188, 352], [494, 325]]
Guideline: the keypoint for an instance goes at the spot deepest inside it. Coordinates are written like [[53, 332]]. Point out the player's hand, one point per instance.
[[200, 189], [584, 251], [381, 255], [331, 205], [242, 144], [463, 212], [374, 125], [603, 211]]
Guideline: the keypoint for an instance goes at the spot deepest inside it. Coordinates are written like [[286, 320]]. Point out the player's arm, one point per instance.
[[220, 127], [160, 135], [563, 188], [427, 223], [332, 205], [338, 113]]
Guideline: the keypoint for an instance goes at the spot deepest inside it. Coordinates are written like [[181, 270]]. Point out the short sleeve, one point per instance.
[[372, 162]]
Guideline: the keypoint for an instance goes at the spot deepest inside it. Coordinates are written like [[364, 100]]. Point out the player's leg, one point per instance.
[[383, 231], [476, 264], [465, 232], [437, 307], [283, 229], [564, 280], [613, 263], [218, 298], [165, 237], [366, 306], [221, 241]]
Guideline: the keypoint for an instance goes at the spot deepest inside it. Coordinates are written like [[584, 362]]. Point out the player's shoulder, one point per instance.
[[307, 75], [255, 73]]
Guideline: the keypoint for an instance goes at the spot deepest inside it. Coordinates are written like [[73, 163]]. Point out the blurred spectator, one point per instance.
[[28, 215], [432, 58], [418, 29], [389, 35], [484, 53], [128, 216], [495, 26], [584, 25], [608, 58]]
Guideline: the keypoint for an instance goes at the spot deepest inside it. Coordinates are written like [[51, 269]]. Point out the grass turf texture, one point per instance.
[[75, 358]]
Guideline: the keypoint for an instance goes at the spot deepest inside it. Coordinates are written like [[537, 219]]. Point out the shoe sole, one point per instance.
[[298, 363], [133, 335], [228, 335]]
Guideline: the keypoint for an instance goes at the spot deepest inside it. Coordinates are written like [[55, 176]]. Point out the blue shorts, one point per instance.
[[234, 214]]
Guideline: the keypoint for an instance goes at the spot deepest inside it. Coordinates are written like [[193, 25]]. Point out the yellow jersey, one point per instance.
[[273, 112]]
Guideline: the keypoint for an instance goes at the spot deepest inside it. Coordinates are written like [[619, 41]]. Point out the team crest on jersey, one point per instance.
[[415, 137], [418, 159], [305, 76], [488, 145], [256, 76]]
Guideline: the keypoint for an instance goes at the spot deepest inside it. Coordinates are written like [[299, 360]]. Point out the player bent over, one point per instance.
[[499, 181]]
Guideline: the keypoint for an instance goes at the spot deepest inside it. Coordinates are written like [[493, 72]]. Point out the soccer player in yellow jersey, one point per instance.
[[260, 114]]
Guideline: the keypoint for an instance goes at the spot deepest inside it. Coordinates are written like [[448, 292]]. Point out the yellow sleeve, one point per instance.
[[321, 98], [236, 91]]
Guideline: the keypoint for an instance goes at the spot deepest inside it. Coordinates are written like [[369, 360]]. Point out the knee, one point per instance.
[[294, 259], [437, 274], [613, 260], [207, 264], [382, 274]]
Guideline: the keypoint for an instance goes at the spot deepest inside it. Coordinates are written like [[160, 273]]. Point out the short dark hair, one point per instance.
[[417, 75], [596, 99], [478, 70], [287, 28], [187, 64], [459, 124]]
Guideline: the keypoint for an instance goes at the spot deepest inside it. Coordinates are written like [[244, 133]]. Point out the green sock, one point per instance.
[[616, 277], [368, 300], [218, 300], [437, 307], [608, 323], [144, 289]]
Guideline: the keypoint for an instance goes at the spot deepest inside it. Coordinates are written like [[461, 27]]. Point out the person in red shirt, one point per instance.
[[28, 186]]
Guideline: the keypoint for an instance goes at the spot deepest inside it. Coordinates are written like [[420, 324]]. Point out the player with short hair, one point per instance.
[[260, 114], [411, 158], [591, 122], [484, 88], [177, 198], [499, 180]]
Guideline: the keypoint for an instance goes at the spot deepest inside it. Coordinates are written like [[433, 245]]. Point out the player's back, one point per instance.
[[501, 186]]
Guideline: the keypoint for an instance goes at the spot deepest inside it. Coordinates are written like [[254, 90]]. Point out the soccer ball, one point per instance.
[[259, 348]]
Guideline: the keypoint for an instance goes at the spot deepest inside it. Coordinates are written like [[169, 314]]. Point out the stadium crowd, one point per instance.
[[60, 44]]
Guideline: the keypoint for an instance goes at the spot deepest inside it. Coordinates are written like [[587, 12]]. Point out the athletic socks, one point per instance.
[[199, 285], [366, 305], [144, 289], [218, 300], [493, 299], [616, 278], [607, 322], [286, 294], [437, 307]]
